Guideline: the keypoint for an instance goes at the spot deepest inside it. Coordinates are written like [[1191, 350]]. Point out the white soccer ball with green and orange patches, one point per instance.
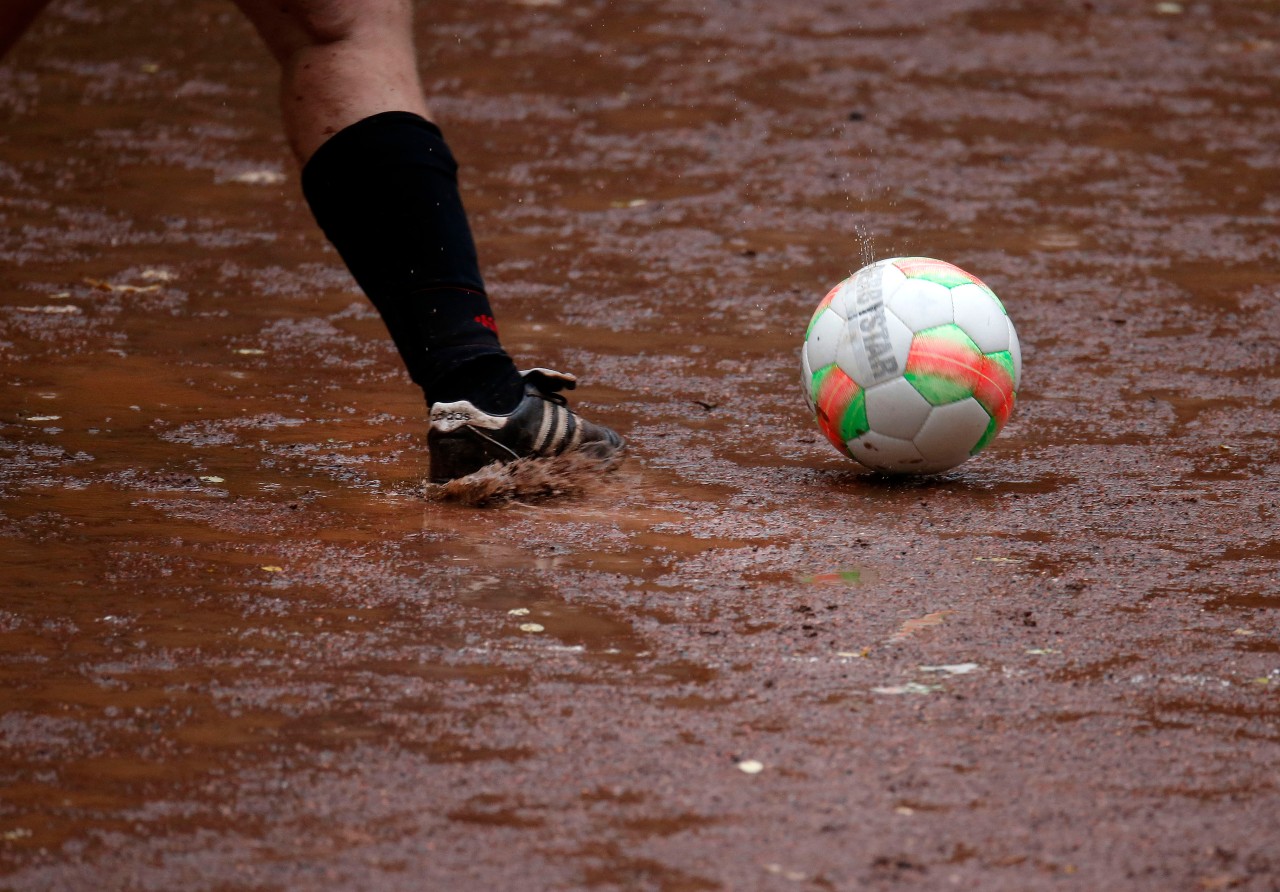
[[911, 365]]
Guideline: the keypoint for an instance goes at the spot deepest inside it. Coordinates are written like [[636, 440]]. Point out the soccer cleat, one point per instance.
[[463, 439]]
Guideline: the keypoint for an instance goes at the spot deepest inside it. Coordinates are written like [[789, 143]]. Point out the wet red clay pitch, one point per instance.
[[239, 650]]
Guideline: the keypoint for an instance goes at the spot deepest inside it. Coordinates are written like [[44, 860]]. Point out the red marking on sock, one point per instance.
[[488, 322]]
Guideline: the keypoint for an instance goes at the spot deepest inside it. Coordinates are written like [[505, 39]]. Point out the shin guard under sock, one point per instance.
[[385, 192]]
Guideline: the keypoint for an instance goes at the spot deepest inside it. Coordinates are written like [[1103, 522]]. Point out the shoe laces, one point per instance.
[[551, 396]]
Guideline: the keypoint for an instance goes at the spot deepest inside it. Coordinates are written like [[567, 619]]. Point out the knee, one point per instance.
[[332, 21], [291, 26]]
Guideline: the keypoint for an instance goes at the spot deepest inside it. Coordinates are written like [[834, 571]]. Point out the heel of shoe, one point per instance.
[[455, 456]]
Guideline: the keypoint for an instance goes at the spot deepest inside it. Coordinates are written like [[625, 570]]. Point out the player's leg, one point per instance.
[[340, 62], [383, 185], [15, 17]]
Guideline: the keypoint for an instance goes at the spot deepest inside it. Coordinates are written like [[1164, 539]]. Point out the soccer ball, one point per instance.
[[911, 366]]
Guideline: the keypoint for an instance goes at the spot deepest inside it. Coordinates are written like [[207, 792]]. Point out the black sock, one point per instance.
[[385, 192]]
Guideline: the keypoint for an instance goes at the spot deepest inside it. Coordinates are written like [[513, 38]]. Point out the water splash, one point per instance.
[[866, 245]]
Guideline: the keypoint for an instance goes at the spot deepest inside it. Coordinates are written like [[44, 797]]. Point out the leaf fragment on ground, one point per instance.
[[750, 766], [911, 626], [911, 687], [120, 289], [52, 309], [952, 669], [834, 578], [259, 178], [794, 876]]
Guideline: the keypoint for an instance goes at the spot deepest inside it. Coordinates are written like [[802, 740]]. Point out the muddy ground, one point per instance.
[[239, 650]]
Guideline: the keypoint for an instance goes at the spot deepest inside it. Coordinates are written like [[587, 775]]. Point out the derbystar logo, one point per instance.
[[869, 327]]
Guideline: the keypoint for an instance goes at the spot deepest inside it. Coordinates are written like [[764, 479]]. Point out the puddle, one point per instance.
[[239, 647]]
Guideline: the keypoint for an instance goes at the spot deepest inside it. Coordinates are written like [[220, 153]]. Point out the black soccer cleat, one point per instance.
[[463, 439]]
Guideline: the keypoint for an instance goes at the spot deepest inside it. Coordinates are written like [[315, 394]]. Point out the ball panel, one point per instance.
[[995, 388], [876, 348], [891, 278], [846, 300], [991, 294], [946, 274], [952, 433], [822, 305], [852, 422], [864, 291], [825, 337], [888, 454], [1015, 351], [839, 406], [922, 304], [981, 317], [944, 365], [896, 409], [992, 429], [806, 378]]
